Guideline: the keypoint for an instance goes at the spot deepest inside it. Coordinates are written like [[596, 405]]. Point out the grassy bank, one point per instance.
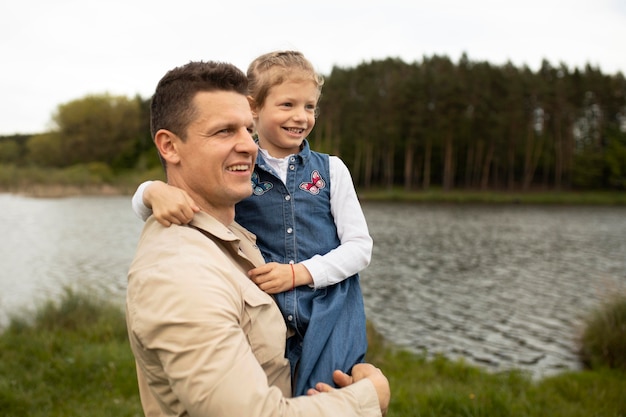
[[83, 179], [445, 388], [598, 198], [73, 359], [97, 178], [497, 197]]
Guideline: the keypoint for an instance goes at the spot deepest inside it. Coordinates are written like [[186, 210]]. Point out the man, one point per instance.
[[207, 340]]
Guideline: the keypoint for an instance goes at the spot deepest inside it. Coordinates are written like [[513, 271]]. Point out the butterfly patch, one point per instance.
[[316, 184], [260, 187]]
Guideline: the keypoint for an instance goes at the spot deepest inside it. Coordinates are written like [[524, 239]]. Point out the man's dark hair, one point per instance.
[[172, 108]]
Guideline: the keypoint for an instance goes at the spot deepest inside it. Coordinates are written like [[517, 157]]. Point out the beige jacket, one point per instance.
[[206, 340]]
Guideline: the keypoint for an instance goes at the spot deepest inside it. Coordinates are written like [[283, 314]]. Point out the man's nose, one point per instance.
[[245, 141]]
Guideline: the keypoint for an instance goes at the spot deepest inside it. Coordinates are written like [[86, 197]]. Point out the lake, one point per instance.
[[500, 286]]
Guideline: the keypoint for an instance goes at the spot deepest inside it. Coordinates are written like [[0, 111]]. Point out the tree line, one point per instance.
[[432, 123]]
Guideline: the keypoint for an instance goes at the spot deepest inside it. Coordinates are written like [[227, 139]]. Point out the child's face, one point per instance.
[[287, 117]]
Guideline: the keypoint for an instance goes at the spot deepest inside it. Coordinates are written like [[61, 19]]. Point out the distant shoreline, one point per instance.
[[61, 191], [607, 198]]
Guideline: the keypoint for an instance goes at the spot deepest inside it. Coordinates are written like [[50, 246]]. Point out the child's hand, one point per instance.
[[170, 205], [274, 277]]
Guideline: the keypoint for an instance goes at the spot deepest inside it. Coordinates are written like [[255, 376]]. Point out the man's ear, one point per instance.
[[167, 145]]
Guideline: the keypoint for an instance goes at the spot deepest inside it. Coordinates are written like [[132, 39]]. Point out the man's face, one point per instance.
[[217, 159]]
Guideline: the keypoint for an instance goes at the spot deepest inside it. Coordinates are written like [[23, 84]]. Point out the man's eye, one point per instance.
[[224, 132]]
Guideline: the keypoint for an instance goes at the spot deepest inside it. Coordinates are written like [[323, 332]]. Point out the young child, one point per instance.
[[307, 218]]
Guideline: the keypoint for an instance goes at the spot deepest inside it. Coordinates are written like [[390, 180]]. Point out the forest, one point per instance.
[[433, 123]]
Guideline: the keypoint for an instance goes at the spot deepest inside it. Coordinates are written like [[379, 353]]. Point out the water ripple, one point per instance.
[[502, 287]]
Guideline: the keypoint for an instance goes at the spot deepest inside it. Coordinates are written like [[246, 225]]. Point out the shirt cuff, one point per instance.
[[139, 207], [317, 271]]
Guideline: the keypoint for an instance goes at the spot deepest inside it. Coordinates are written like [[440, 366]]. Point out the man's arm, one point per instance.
[[359, 372]]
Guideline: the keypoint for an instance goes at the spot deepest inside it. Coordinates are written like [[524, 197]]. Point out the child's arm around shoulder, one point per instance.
[[139, 207], [169, 204]]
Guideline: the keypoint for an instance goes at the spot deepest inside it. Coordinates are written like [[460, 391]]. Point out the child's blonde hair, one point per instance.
[[275, 68]]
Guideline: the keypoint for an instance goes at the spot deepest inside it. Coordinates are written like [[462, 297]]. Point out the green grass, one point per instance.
[[98, 178], [603, 342], [437, 195], [81, 179], [441, 387], [72, 359]]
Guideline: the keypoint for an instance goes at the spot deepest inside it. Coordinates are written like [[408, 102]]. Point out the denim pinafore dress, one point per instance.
[[293, 223]]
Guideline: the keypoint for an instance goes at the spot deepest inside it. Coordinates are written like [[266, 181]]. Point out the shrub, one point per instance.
[[603, 342]]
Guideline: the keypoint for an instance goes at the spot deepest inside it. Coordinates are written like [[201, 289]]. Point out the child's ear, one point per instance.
[[253, 106]]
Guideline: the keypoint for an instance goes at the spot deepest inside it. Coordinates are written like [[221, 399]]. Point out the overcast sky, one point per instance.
[[56, 51]]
